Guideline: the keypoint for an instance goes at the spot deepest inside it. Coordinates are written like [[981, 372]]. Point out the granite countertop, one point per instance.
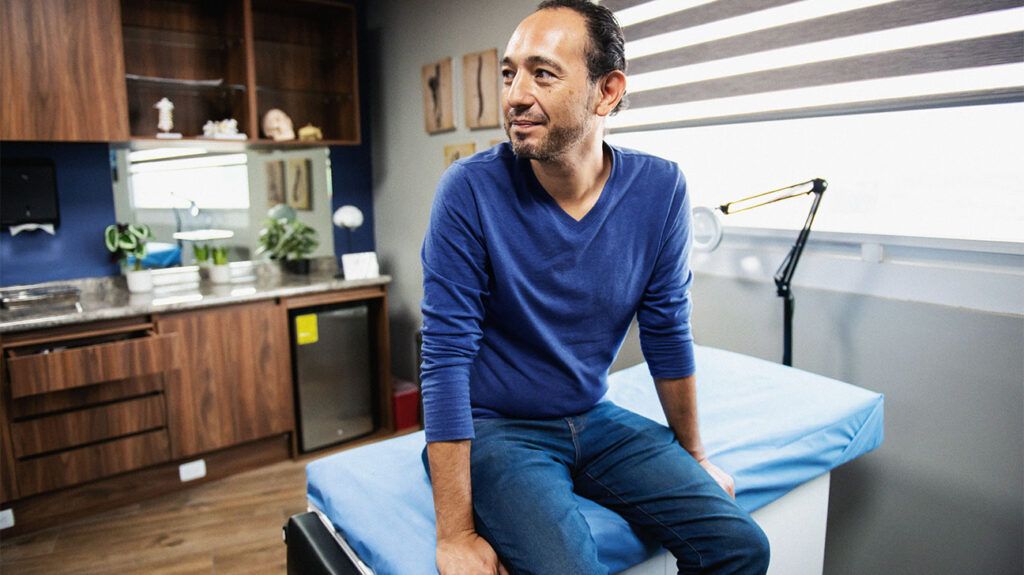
[[109, 298]]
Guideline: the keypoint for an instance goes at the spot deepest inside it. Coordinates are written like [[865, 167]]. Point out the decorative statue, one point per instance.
[[165, 119], [222, 130], [310, 133], [278, 126]]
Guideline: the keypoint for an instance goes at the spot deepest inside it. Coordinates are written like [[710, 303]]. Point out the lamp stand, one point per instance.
[[784, 275]]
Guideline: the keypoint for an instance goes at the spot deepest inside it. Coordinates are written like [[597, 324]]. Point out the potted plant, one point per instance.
[[288, 241], [128, 241], [201, 252], [220, 272]]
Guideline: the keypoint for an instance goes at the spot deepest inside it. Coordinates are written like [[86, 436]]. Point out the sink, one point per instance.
[[49, 296]]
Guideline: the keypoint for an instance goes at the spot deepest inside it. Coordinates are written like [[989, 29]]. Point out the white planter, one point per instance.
[[139, 281], [220, 274], [204, 269]]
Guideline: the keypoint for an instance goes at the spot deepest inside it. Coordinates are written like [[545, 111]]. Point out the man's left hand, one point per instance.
[[723, 479]]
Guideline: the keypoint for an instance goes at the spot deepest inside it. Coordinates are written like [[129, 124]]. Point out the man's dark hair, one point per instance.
[[606, 49]]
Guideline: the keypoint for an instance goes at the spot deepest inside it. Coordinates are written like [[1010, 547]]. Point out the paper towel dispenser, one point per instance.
[[28, 192]]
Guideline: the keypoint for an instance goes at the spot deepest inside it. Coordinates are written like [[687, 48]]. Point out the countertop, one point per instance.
[[108, 298]]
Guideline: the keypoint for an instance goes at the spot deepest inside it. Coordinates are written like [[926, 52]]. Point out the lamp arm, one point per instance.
[[784, 275]]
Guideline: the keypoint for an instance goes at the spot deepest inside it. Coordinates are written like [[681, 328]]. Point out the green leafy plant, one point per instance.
[[128, 240], [219, 255], [201, 252], [284, 239]]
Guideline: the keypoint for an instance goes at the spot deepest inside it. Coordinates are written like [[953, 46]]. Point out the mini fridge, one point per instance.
[[333, 373]]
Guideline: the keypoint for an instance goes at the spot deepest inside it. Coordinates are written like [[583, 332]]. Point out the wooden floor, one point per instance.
[[223, 527]]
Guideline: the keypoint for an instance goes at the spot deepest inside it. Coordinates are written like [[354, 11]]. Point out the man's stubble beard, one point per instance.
[[558, 141]]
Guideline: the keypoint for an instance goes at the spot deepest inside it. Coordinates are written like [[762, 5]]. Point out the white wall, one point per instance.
[[944, 494], [407, 162]]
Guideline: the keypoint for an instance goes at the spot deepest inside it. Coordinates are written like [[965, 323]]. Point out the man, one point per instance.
[[538, 255]]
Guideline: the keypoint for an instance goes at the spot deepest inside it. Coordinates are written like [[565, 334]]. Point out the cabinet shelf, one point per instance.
[[181, 83]]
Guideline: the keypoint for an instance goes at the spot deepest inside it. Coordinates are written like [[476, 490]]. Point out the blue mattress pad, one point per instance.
[[772, 427]]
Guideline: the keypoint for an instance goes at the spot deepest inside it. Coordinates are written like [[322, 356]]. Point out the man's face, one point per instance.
[[547, 97]]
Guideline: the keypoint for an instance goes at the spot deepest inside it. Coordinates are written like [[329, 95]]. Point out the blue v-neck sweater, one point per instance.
[[524, 307]]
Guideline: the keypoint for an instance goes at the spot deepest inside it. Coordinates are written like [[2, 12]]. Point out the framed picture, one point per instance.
[[437, 97], [275, 182], [298, 184], [480, 89], [453, 152]]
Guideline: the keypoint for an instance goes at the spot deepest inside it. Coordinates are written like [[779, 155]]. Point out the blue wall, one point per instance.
[[353, 185], [351, 166], [86, 199]]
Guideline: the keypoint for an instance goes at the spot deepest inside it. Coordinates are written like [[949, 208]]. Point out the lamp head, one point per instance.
[[707, 229], [349, 217]]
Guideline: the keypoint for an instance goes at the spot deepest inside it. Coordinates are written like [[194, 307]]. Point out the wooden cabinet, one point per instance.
[[193, 53], [83, 403], [91, 70], [62, 70], [305, 64], [234, 381], [217, 59]]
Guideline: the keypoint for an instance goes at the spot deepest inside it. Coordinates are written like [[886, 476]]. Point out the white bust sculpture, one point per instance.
[[278, 126]]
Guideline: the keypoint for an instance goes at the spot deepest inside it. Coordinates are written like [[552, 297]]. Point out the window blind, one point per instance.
[[700, 62]]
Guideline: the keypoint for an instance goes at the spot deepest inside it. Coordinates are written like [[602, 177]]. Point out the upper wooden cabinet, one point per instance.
[[218, 59], [305, 55], [92, 70], [192, 53], [62, 71]]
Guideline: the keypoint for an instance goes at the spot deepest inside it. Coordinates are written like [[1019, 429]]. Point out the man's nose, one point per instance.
[[519, 93]]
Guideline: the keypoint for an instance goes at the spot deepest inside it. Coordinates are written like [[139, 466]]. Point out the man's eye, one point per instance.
[[507, 75], [544, 74]]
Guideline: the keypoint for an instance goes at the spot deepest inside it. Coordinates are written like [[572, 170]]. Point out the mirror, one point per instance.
[[201, 194]]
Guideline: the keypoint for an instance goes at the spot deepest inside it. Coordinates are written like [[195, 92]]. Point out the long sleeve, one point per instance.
[[664, 311], [455, 283]]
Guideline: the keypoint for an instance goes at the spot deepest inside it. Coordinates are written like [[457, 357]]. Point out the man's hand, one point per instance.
[[467, 554], [723, 479]]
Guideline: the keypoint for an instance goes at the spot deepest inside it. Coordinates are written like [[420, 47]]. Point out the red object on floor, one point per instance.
[[406, 404]]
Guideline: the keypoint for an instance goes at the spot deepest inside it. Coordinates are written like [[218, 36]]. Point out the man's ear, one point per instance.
[[611, 89]]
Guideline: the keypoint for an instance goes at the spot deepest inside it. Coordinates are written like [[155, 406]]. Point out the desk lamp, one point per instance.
[[707, 232]]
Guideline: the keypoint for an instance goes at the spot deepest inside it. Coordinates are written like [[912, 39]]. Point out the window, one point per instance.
[[910, 109], [216, 181]]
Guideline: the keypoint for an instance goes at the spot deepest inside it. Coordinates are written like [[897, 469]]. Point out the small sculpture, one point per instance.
[[222, 130], [278, 126], [165, 120], [310, 133]]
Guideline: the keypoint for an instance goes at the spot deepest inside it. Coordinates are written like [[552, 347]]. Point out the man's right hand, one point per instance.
[[467, 554]]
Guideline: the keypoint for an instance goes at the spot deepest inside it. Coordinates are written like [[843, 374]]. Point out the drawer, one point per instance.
[[80, 366], [71, 429], [76, 466]]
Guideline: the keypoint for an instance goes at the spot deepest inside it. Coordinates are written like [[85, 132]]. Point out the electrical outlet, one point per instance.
[[6, 519], [192, 470]]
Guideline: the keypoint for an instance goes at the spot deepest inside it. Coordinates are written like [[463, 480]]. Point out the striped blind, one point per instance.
[[701, 62]]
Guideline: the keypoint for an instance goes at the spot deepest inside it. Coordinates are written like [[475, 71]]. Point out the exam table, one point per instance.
[[778, 430]]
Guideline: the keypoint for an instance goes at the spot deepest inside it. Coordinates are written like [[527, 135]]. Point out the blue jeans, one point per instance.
[[525, 472]]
